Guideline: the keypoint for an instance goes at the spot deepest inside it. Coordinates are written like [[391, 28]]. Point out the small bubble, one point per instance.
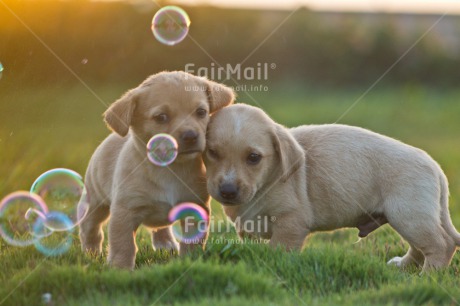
[[46, 298], [195, 219], [170, 25], [162, 149], [1, 70], [84, 61], [60, 241]]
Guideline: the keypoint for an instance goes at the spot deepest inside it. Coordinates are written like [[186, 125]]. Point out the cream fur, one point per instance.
[[325, 177], [122, 183]]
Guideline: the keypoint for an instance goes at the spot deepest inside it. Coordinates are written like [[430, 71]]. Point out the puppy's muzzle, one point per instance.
[[189, 142], [228, 191]]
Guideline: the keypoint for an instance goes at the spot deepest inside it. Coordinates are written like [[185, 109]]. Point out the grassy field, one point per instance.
[[60, 126]]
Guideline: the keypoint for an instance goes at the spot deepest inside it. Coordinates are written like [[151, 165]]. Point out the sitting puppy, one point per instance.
[[123, 183], [325, 177]]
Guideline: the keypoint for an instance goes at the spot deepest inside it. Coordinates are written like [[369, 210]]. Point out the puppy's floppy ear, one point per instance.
[[290, 153], [219, 95], [118, 116]]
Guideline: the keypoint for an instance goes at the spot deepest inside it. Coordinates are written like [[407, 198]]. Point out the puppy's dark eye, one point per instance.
[[253, 159], [212, 154], [201, 112], [161, 118]]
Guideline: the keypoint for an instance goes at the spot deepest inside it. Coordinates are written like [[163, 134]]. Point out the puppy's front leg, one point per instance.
[[163, 239], [122, 233], [289, 233]]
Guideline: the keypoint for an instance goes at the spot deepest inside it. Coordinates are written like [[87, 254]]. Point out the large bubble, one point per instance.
[[170, 25]]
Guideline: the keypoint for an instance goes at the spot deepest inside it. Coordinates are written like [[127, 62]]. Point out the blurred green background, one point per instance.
[[105, 42]]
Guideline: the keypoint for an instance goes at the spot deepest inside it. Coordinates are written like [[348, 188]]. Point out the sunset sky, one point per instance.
[[415, 6]]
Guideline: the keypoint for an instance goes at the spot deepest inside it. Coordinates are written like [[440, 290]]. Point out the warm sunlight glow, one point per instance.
[[405, 6]]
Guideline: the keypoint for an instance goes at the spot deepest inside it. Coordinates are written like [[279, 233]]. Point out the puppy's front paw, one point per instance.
[[395, 261], [94, 249], [163, 239], [170, 245], [121, 262]]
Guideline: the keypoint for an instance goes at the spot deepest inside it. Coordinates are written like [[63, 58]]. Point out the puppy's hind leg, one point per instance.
[[412, 257], [164, 239], [91, 233], [420, 226]]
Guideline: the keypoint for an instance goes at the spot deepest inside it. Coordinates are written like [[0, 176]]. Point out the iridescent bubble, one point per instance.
[[58, 243], [16, 221], [195, 220], [170, 25], [63, 191], [1, 70], [162, 149], [34, 213]]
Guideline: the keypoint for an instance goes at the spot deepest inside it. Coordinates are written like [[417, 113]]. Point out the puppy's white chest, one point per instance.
[[171, 194]]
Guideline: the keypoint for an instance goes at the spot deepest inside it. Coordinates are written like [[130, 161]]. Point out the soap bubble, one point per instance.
[[32, 214], [58, 243], [16, 221], [170, 25], [46, 298], [62, 190], [195, 222], [162, 149], [1, 70]]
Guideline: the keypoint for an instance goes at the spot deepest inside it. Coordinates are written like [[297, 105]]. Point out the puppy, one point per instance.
[[325, 177], [123, 183]]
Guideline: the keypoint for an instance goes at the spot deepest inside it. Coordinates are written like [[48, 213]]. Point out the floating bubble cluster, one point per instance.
[[170, 25], [162, 149], [194, 220], [47, 215], [62, 190]]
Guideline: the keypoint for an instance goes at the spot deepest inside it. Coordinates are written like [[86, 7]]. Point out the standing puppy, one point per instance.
[[325, 177], [123, 183]]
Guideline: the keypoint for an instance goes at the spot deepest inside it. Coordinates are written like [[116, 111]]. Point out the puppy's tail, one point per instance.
[[446, 221]]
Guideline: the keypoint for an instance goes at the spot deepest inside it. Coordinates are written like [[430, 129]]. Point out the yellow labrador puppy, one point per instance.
[[123, 183], [324, 177]]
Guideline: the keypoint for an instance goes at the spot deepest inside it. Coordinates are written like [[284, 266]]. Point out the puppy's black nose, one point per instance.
[[228, 191], [189, 137]]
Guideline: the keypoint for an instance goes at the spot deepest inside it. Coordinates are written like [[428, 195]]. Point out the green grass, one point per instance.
[[44, 128]]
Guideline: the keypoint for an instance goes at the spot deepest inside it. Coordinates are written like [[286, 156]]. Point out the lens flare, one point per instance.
[[63, 190], [162, 149], [170, 25], [16, 221], [194, 222]]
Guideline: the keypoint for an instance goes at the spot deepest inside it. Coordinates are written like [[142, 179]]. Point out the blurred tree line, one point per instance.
[[112, 42]]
